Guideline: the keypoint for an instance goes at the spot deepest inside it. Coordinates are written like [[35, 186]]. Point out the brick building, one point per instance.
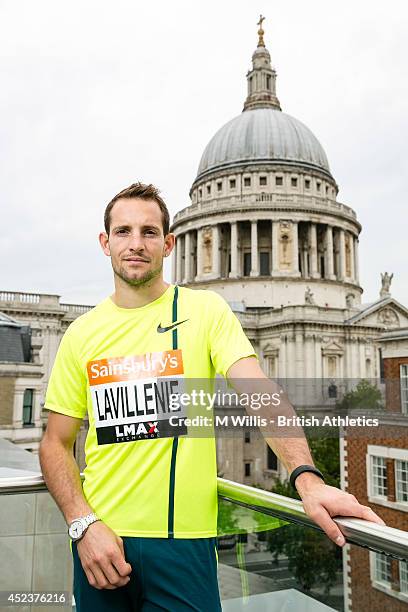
[[21, 377], [375, 470]]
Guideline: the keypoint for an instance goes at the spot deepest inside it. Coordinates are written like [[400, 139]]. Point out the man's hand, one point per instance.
[[321, 502], [103, 557]]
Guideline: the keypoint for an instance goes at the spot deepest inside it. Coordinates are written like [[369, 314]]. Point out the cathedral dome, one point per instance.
[[263, 135]]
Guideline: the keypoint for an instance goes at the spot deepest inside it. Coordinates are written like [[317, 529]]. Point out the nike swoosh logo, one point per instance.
[[161, 330]]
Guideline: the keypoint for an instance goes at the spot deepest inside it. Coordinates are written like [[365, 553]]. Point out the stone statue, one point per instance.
[[309, 299], [208, 247], [385, 284], [349, 300]]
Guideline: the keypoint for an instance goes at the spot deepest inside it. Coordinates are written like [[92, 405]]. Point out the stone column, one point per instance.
[[234, 250], [254, 249], [291, 356], [362, 358], [318, 357], [178, 260], [199, 254], [187, 257], [356, 271], [342, 255], [295, 255], [275, 247], [305, 263], [309, 356], [329, 254], [351, 243], [299, 356], [282, 358], [313, 251], [216, 254]]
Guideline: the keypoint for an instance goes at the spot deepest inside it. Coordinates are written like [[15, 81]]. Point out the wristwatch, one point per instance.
[[79, 525], [304, 468]]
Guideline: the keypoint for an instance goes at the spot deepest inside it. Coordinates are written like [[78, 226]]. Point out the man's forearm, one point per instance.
[[63, 479], [287, 441]]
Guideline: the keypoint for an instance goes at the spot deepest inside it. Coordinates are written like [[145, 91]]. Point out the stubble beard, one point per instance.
[[137, 282]]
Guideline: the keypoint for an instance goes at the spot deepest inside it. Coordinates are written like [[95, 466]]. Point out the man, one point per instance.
[[143, 526]]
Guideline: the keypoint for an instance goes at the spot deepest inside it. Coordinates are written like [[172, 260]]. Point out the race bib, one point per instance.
[[133, 397]]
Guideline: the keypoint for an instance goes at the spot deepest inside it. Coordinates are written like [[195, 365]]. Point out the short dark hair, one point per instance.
[[143, 192]]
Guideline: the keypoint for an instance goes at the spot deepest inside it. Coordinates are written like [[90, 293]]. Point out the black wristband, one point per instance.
[[304, 468]]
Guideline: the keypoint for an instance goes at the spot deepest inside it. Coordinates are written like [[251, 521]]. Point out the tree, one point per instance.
[[312, 558], [365, 396]]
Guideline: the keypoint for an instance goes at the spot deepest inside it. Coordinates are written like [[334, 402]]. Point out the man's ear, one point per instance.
[[169, 242], [104, 242]]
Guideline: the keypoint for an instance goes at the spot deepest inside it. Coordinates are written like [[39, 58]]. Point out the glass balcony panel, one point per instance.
[[266, 562], [275, 565], [34, 547]]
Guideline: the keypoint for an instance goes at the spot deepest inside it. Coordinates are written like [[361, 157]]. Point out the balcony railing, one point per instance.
[[271, 554]]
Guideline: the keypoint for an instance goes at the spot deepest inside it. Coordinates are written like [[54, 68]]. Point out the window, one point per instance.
[[247, 469], [381, 365], [247, 437], [262, 180], [318, 185], [208, 189], [232, 183], [219, 186], [327, 190], [382, 569], [247, 264], [247, 181], [404, 388], [28, 407], [403, 574], [264, 263], [307, 183], [268, 81], [272, 460], [279, 180], [293, 181], [200, 193], [401, 480], [379, 476]]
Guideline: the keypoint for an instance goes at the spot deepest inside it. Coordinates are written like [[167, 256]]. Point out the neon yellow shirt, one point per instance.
[[120, 365]]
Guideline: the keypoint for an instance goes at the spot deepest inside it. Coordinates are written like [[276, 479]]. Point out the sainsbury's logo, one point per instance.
[[117, 369]]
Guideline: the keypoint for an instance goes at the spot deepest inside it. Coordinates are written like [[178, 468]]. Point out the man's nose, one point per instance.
[[136, 241]]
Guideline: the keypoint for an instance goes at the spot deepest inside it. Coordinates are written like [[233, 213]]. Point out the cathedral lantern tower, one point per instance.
[[264, 228]]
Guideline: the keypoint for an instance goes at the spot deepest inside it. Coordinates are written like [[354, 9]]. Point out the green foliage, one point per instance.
[[312, 558], [365, 396], [326, 455]]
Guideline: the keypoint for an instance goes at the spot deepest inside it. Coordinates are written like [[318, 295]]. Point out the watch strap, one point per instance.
[[304, 468]]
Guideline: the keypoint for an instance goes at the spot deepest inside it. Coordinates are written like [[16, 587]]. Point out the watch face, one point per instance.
[[76, 530]]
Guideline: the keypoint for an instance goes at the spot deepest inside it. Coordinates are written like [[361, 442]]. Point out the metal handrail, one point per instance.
[[380, 538], [367, 534]]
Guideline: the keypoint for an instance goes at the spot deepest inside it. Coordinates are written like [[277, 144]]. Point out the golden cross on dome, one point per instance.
[[260, 31]]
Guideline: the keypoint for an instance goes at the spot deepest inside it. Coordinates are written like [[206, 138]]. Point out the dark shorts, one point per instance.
[[167, 574]]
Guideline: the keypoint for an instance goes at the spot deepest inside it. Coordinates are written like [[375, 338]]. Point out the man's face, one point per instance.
[[136, 244]]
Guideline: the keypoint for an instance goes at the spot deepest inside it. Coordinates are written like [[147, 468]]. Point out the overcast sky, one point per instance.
[[96, 95]]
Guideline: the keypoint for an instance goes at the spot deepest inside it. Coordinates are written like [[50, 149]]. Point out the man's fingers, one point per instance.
[[113, 577], [322, 518], [101, 580], [118, 560], [366, 513]]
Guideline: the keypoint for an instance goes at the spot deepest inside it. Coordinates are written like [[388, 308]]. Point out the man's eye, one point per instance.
[[151, 232]]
